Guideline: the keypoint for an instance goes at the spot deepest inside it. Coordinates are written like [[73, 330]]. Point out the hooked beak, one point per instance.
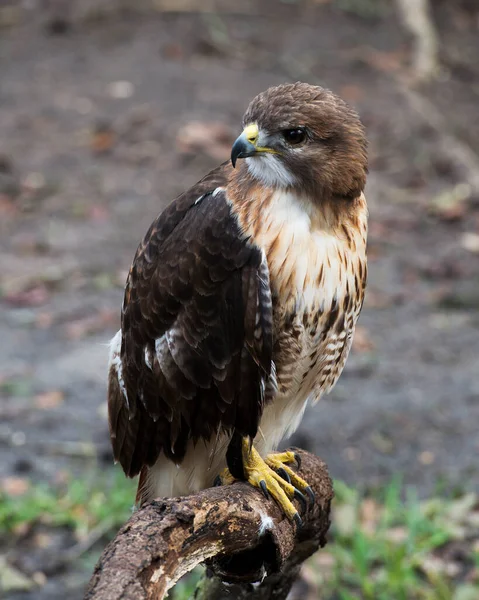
[[245, 144]]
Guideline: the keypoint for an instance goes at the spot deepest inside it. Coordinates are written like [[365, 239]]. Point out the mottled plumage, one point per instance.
[[242, 298]]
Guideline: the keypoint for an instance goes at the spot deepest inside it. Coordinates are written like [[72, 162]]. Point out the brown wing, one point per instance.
[[196, 343]]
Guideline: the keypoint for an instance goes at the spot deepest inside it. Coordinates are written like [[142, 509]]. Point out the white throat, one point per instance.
[[270, 170]]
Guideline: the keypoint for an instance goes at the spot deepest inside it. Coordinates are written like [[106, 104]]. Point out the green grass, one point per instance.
[[81, 504], [384, 546], [394, 547]]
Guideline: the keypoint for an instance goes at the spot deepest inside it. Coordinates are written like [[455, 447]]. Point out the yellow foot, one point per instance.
[[224, 478], [274, 478], [279, 461]]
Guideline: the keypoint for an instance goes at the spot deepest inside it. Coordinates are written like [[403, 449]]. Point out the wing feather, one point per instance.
[[196, 345]]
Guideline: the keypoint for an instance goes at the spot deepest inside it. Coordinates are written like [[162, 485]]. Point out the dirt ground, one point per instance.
[[104, 118]]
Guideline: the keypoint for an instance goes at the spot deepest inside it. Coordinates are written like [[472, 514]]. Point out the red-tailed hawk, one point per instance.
[[241, 303]]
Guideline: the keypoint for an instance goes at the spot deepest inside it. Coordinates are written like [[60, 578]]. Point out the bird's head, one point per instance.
[[303, 137]]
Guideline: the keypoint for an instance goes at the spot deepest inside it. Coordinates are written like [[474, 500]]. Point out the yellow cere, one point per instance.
[[251, 133]]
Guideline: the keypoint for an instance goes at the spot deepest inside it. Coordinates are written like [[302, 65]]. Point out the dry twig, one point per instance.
[[417, 18]]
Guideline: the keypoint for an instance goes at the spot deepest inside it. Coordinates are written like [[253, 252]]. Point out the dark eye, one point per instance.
[[294, 136]]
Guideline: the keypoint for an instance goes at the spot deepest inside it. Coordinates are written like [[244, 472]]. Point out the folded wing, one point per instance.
[[195, 349]]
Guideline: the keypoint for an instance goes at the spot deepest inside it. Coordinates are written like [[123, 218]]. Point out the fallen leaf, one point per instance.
[[44, 320], [34, 181], [50, 399], [62, 477], [10, 15], [7, 206], [15, 486], [98, 213], [426, 457], [473, 519], [211, 138], [22, 529], [351, 93], [388, 62], [30, 244], [396, 535], [470, 241], [102, 138], [91, 324], [451, 205], [121, 89], [173, 51], [370, 512], [459, 509], [309, 574], [12, 579], [362, 341], [345, 518], [42, 540], [313, 575], [381, 442], [325, 559], [377, 299], [39, 578], [34, 295], [435, 565]]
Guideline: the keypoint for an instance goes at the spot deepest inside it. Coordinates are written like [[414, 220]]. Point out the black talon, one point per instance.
[[310, 493], [217, 482], [284, 474], [298, 520], [264, 488], [301, 497], [297, 458]]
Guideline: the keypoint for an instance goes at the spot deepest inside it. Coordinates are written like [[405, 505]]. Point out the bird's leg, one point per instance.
[[262, 474], [224, 478]]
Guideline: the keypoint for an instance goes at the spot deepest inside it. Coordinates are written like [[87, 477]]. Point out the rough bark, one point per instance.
[[234, 529]]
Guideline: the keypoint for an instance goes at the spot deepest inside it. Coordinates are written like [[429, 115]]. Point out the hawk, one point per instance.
[[241, 303]]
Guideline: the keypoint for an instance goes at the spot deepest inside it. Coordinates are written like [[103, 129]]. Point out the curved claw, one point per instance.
[[298, 520], [264, 489], [302, 498], [283, 473], [275, 479], [310, 493], [297, 458]]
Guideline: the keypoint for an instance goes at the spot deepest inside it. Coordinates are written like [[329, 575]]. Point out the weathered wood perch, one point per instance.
[[238, 533]]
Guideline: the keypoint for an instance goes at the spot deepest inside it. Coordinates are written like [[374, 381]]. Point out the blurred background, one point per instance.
[[111, 108]]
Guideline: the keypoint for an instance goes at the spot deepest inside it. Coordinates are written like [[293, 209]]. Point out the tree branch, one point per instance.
[[416, 15], [241, 535]]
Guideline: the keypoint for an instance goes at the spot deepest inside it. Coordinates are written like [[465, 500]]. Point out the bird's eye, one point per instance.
[[294, 136]]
